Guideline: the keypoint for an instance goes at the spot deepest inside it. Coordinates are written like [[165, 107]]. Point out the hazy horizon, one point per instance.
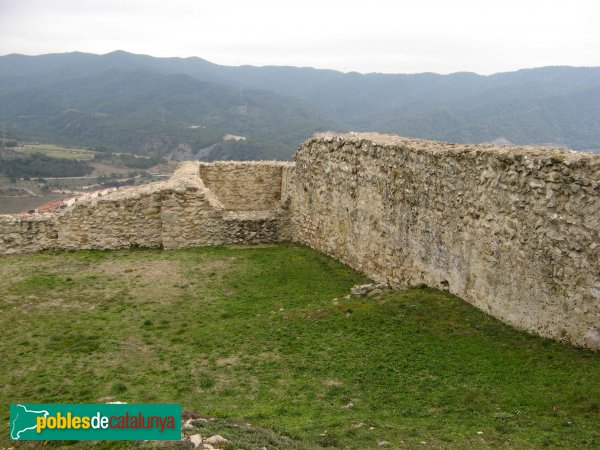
[[381, 37], [309, 67]]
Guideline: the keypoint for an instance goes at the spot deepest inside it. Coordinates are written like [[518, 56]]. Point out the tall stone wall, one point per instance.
[[514, 231]]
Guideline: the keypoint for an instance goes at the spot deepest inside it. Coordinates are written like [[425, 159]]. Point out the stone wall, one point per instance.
[[244, 186], [514, 231], [178, 213], [26, 235]]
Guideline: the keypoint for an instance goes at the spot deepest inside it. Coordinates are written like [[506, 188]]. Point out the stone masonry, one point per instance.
[[514, 230], [181, 212]]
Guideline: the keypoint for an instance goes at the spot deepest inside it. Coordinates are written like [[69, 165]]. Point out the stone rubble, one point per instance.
[[369, 289]]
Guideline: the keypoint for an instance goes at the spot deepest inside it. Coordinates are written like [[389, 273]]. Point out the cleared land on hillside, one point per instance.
[[56, 151], [16, 205], [21, 192], [252, 335]]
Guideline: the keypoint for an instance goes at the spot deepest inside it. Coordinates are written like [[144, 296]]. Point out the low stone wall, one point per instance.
[[27, 234], [178, 213], [514, 231]]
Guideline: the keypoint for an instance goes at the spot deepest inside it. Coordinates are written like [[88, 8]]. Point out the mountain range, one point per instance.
[[188, 108]]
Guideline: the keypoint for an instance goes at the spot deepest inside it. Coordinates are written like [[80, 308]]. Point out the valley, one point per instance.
[[21, 192]]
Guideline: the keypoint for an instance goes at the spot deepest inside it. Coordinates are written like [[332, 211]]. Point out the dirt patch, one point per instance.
[[213, 266], [148, 280], [229, 361], [60, 302], [146, 271], [269, 356], [14, 269], [132, 350]]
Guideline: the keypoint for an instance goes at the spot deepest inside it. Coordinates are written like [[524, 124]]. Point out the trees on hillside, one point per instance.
[[39, 165]]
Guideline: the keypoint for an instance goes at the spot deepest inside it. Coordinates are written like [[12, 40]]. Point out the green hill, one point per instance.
[[182, 107], [159, 115]]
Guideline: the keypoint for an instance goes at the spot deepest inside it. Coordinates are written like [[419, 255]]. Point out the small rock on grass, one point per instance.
[[365, 289], [217, 439], [374, 292], [196, 440]]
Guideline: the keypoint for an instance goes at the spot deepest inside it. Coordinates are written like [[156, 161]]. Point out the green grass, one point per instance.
[[252, 336], [55, 151]]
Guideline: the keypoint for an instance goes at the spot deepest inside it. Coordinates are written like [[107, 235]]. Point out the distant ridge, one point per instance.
[[183, 107]]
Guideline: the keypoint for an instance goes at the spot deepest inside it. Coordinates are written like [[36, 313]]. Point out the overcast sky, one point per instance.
[[483, 36]]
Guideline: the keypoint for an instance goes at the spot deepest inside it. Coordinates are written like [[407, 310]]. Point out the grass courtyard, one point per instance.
[[253, 336]]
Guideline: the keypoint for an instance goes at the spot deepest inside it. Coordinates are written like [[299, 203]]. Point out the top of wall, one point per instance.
[[183, 179], [565, 156], [249, 164]]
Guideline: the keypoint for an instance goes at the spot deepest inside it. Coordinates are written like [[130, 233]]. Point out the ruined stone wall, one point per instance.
[[107, 223], [178, 213], [514, 231], [244, 186], [27, 234]]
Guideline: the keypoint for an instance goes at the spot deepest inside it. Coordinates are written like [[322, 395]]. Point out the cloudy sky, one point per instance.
[[392, 36]]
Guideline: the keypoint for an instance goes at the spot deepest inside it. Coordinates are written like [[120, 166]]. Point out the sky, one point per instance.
[[483, 36]]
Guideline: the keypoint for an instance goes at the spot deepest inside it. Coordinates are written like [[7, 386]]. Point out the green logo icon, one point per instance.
[[95, 422]]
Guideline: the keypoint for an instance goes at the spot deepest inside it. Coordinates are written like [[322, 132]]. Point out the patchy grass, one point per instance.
[[251, 337]]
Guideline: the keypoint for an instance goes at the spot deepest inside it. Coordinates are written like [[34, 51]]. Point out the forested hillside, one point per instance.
[[183, 108]]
